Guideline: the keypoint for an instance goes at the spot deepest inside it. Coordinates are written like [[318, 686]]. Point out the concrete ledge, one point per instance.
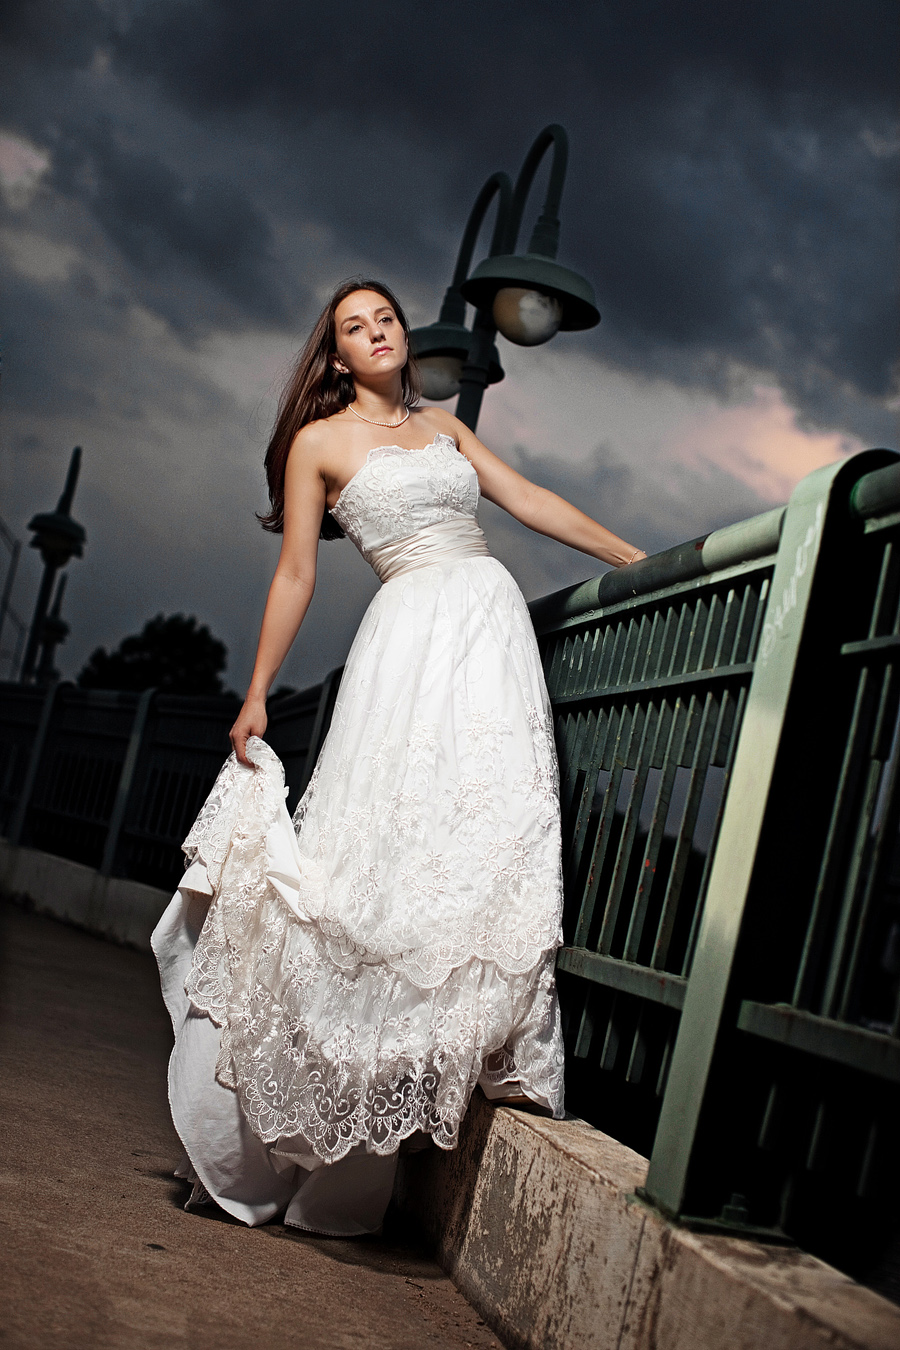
[[112, 907], [536, 1223]]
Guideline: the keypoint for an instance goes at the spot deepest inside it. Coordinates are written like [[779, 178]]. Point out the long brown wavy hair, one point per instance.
[[315, 390]]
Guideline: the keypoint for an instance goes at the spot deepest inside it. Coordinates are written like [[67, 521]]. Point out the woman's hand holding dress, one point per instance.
[[251, 721]]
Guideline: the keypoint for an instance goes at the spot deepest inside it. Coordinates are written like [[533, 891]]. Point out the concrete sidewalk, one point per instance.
[[97, 1251]]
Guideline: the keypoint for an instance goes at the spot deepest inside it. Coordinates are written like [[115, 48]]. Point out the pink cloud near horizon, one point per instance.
[[761, 443]]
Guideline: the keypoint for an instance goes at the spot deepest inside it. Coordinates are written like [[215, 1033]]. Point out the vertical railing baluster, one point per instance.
[[681, 857], [646, 718], [658, 820], [612, 726]]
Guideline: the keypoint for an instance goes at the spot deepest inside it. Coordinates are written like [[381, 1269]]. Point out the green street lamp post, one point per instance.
[[59, 538], [528, 297], [443, 348]]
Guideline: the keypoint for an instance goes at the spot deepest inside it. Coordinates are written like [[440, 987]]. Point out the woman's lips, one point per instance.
[[380, 350]]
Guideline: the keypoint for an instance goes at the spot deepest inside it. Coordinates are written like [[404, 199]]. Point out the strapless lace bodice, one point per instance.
[[398, 492]]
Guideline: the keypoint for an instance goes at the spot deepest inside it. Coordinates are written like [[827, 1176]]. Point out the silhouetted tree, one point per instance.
[[173, 654]]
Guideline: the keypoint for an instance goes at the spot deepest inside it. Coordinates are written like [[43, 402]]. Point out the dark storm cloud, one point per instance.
[[37, 340], [55, 34], [722, 194], [727, 195], [165, 224], [742, 238], [291, 55]]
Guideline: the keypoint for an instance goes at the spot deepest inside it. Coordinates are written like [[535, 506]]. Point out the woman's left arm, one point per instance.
[[540, 509]]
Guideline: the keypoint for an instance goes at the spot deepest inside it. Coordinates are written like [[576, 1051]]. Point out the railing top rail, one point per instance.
[[743, 542], [877, 493]]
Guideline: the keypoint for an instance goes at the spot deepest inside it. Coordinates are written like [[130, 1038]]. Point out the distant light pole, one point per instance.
[[6, 610], [59, 538], [528, 297], [54, 631], [444, 347]]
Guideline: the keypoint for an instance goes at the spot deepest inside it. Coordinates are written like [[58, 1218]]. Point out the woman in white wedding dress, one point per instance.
[[341, 983]]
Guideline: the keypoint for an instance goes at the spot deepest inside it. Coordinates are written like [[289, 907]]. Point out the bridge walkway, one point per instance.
[[98, 1253]]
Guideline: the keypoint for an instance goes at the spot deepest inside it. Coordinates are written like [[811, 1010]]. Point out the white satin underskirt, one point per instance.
[[250, 1180]]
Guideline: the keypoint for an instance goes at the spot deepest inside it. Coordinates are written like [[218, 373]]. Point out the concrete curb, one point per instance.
[[110, 907], [537, 1224]]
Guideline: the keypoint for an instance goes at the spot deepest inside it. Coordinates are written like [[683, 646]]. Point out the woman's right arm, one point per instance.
[[291, 590]]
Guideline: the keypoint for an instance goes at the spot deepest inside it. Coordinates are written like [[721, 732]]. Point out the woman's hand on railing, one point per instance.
[[251, 721], [636, 556]]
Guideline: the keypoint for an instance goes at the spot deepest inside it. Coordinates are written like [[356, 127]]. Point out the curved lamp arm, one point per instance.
[[453, 309], [545, 237]]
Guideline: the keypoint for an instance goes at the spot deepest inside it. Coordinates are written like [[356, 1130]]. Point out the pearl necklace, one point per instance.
[[372, 422]]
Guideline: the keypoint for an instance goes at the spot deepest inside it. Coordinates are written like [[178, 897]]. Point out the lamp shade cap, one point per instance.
[[450, 339], [57, 536], [532, 271], [58, 524]]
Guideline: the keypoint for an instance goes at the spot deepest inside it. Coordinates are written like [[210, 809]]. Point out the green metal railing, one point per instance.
[[727, 724], [648, 693]]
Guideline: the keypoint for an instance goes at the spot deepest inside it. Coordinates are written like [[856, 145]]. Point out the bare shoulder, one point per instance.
[[433, 421], [311, 446]]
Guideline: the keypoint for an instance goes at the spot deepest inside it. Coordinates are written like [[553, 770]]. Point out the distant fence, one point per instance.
[[728, 725], [115, 780]]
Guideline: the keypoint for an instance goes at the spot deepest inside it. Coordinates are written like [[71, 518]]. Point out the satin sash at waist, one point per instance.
[[445, 542]]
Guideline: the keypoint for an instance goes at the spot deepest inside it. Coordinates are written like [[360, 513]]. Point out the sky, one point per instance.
[[185, 181]]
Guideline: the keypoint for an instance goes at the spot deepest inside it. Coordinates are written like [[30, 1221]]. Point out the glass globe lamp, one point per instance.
[[531, 297], [441, 350], [441, 376], [527, 317]]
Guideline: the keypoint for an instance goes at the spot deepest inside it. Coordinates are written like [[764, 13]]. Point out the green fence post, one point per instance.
[[17, 824], [736, 850], [126, 778]]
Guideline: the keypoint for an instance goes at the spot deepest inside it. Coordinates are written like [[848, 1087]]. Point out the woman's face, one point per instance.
[[369, 337]]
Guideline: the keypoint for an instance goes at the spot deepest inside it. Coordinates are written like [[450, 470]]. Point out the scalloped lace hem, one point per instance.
[[331, 1044]]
